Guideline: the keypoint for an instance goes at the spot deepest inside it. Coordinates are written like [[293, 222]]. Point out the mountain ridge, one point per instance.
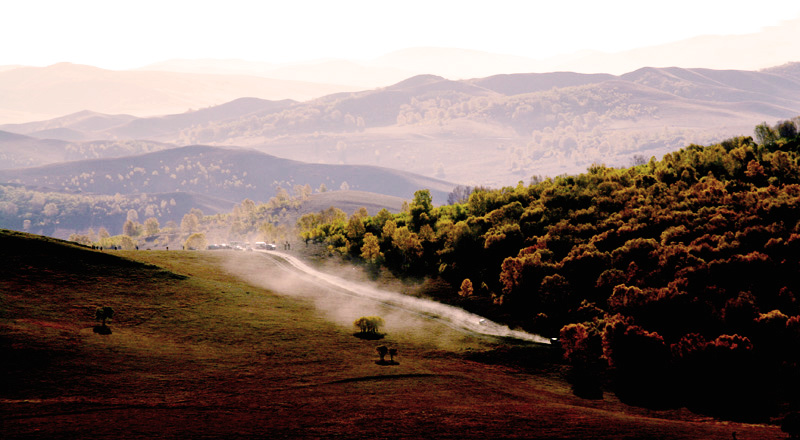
[[533, 124], [223, 173], [66, 88]]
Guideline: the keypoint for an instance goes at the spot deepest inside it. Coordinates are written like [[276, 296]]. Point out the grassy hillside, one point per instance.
[[195, 352]]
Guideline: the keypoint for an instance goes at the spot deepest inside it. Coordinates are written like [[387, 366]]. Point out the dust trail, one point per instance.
[[453, 317]]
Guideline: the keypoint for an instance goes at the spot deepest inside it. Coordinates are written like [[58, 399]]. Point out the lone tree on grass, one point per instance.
[[392, 354], [382, 351], [103, 314]]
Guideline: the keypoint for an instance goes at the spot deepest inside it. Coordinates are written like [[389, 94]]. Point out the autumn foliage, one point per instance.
[[679, 276]]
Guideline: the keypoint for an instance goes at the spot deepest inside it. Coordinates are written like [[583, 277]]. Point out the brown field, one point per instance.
[[197, 352]]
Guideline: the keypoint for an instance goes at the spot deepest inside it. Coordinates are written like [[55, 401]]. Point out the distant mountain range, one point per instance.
[[373, 147], [175, 86], [31, 93], [484, 131], [767, 47]]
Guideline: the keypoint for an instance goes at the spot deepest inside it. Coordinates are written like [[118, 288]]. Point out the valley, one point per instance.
[[197, 351], [417, 220]]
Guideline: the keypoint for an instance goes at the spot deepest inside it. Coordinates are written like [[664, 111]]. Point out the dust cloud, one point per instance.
[[342, 301]]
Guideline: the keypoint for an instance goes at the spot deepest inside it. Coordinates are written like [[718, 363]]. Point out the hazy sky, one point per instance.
[[120, 34]]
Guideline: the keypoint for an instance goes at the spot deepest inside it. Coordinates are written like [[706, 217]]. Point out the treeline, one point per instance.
[[676, 280], [250, 221], [44, 211], [247, 222]]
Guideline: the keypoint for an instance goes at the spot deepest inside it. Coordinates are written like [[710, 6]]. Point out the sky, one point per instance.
[[123, 34]]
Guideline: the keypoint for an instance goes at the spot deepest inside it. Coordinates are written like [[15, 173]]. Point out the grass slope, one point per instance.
[[197, 352]]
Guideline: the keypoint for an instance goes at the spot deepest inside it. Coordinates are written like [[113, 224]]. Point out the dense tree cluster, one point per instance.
[[676, 279], [247, 222]]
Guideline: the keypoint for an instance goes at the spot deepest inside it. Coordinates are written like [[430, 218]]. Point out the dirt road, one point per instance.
[[453, 317]]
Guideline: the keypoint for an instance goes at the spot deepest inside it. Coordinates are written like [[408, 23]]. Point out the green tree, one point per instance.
[[196, 241], [131, 228], [371, 250], [382, 352], [765, 134], [380, 219], [421, 208], [103, 314], [408, 244], [151, 226], [355, 227], [189, 223]]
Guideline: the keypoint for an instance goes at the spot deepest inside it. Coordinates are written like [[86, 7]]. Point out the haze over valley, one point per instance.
[[489, 131]]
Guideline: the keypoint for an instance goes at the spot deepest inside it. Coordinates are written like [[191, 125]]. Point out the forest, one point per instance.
[[248, 222], [674, 281]]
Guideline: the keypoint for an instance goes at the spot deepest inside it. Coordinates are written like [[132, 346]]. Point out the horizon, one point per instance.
[[90, 32]]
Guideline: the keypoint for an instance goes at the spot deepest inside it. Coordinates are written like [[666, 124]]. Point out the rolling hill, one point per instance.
[[25, 151], [231, 174], [63, 198], [196, 351], [485, 131], [19, 151]]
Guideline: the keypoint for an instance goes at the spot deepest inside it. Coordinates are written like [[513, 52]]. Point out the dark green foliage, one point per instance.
[[103, 314], [382, 352], [791, 425], [692, 261]]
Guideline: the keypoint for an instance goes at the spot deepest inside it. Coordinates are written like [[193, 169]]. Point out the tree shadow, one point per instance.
[[589, 390], [369, 336], [101, 330], [586, 381], [385, 363]]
